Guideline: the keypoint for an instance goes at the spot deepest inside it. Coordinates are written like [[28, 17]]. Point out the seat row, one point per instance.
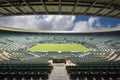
[[24, 71]]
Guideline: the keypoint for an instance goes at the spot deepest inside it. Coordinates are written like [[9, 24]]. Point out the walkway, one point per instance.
[[59, 72]]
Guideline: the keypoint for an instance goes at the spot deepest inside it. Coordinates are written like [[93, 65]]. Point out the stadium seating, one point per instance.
[[35, 68], [100, 63], [98, 70]]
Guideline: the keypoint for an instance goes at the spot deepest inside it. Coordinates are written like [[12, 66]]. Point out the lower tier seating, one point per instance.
[[11, 71], [108, 71]]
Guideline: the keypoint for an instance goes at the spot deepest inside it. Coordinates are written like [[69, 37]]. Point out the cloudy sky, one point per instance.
[[59, 22]]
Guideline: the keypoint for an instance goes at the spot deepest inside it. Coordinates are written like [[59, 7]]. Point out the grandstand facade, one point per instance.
[[101, 62]]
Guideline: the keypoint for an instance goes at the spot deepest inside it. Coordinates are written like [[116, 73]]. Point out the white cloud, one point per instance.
[[91, 24], [81, 25], [45, 22], [63, 22], [118, 25]]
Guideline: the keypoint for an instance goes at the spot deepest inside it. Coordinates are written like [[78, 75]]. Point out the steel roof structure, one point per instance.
[[104, 8]]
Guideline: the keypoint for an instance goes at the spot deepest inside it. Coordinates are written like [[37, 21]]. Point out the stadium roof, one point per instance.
[[46, 31], [105, 8]]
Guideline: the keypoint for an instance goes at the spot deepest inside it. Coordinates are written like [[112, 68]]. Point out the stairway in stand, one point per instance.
[[59, 72]]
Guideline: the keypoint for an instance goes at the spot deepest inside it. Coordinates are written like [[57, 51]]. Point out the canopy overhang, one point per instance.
[[104, 8]]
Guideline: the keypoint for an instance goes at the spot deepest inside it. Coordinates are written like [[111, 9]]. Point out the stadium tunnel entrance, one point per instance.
[[59, 61], [66, 62]]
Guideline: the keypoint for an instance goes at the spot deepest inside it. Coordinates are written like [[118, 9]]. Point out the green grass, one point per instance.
[[59, 47]]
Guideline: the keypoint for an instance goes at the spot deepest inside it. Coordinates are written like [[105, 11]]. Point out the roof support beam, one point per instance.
[[109, 12], [75, 6], [90, 7], [59, 7], [29, 6], [110, 3], [9, 11], [15, 7], [98, 5], [116, 14], [43, 4], [2, 13]]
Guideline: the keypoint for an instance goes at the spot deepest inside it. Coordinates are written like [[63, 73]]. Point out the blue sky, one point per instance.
[[113, 22], [59, 22]]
